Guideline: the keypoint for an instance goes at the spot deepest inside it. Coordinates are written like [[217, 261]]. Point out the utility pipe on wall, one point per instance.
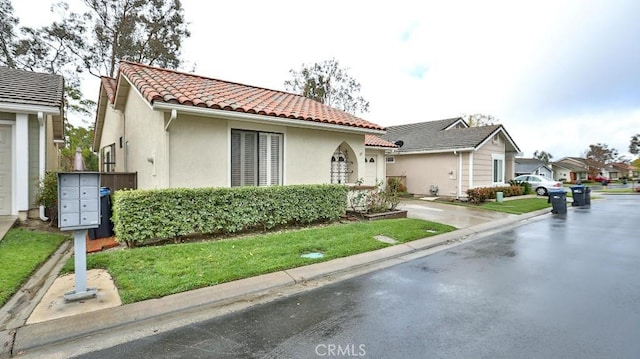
[[41, 159]]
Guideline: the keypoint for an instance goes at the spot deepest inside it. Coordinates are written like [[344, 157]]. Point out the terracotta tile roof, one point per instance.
[[375, 141], [109, 86], [169, 86]]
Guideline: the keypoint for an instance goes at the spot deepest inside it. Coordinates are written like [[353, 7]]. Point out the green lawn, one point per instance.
[[153, 272], [517, 206], [22, 251], [514, 206]]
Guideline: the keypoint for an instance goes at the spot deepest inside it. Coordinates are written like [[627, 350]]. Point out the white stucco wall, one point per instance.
[[308, 155], [111, 133], [197, 151], [145, 139]]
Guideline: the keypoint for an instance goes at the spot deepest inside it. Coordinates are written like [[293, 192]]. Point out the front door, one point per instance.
[[371, 170], [5, 170]]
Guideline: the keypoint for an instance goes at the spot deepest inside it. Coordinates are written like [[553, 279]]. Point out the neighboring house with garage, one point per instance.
[[533, 166], [178, 129], [31, 127], [447, 157]]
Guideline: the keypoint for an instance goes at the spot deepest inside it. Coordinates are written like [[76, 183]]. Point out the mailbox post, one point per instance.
[[79, 210]]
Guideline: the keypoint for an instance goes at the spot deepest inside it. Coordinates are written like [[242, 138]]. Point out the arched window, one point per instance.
[[339, 167]]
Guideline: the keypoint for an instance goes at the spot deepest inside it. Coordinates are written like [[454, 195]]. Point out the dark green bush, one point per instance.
[[142, 215], [47, 194], [526, 186], [481, 194]]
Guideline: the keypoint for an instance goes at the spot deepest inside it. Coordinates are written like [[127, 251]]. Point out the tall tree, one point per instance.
[[79, 137], [598, 156], [8, 22], [42, 50], [144, 31], [543, 156], [330, 84], [634, 144], [480, 119]]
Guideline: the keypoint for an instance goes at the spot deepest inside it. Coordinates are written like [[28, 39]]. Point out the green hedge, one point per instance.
[[142, 215], [481, 194]]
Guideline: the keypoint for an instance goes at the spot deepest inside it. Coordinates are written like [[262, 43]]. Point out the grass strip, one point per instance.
[[153, 272], [22, 251], [517, 206], [514, 206]]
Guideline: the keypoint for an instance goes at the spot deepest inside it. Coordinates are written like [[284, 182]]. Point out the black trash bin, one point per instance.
[[578, 192], [105, 230], [587, 196], [558, 201]]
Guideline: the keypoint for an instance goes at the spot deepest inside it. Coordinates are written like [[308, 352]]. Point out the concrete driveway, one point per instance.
[[457, 216]]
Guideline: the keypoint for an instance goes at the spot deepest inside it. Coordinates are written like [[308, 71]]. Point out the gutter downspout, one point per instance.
[[167, 146], [41, 159], [124, 142], [459, 191]]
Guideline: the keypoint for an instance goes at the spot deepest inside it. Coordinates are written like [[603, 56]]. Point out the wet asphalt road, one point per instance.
[[555, 288]]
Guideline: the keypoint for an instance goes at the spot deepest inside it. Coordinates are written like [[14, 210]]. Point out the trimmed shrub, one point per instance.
[[143, 215], [526, 186], [481, 194]]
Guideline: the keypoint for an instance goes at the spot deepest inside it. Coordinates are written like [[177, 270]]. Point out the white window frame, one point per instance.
[[497, 158], [263, 148], [390, 159]]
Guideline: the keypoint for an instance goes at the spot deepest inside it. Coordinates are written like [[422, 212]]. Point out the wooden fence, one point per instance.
[[119, 180]]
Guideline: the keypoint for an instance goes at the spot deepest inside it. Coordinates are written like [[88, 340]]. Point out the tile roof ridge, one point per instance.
[[180, 72]]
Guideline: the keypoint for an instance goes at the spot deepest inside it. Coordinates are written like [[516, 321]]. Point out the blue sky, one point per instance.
[[560, 75]]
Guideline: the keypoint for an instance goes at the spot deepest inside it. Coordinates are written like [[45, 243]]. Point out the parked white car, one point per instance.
[[540, 184]]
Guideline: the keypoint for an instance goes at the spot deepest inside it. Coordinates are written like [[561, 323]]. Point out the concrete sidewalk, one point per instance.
[[31, 330]]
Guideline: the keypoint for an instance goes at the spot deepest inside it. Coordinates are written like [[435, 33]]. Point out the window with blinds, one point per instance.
[[256, 158]]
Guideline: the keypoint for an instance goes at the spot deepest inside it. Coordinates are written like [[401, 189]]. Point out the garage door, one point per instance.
[[5, 170], [371, 170]]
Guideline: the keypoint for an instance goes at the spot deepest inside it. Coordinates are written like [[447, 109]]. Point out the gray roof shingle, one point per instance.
[[528, 165], [30, 88], [431, 136]]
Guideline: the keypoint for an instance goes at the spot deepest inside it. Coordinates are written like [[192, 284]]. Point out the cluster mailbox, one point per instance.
[[78, 200]]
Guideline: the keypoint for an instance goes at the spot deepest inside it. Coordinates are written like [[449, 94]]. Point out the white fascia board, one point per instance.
[[29, 108], [378, 147], [250, 117], [467, 149]]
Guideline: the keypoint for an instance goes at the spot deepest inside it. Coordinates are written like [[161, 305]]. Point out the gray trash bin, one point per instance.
[[558, 201], [578, 192], [587, 196]]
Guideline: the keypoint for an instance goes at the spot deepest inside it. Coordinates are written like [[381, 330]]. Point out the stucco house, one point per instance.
[[31, 127], [533, 166], [621, 170], [577, 169], [570, 169], [447, 157], [179, 129]]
